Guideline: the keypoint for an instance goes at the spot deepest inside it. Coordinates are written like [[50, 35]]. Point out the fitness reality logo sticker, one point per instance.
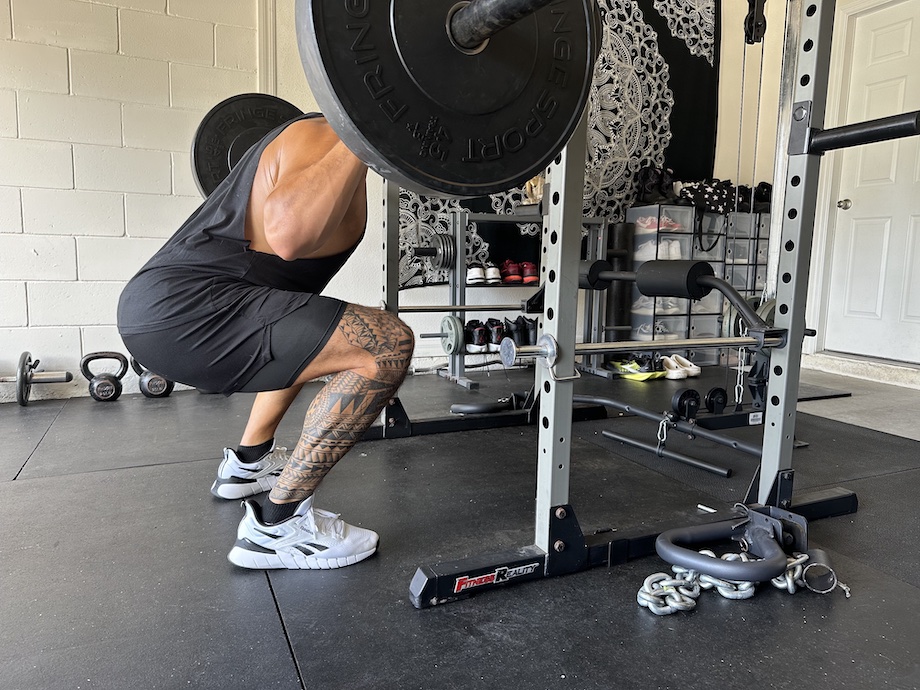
[[496, 577]]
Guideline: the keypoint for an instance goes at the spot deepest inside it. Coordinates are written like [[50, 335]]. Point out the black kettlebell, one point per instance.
[[104, 387], [151, 385]]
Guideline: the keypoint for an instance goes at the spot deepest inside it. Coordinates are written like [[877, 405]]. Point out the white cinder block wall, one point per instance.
[[99, 101]]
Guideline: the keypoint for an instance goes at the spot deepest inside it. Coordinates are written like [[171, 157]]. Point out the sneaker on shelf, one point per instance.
[[667, 305], [657, 332], [511, 272], [236, 480], [688, 366], [662, 332], [710, 303], [672, 369], [528, 329], [311, 539], [646, 225], [513, 331], [476, 337], [674, 250], [529, 273], [493, 275], [496, 331], [668, 223], [475, 275], [643, 305], [645, 251]]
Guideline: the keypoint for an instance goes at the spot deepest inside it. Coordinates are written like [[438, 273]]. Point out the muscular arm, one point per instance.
[[317, 180]]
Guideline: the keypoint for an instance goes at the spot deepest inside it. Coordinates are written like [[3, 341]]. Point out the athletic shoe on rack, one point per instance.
[[493, 275], [645, 251], [236, 480], [311, 539], [496, 332], [646, 225], [513, 331], [659, 332], [643, 305], [667, 305], [476, 337], [475, 275], [530, 273], [672, 369], [528, 329], [511, 272]]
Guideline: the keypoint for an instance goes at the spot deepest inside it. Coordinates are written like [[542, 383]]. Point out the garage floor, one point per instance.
[[113, 570]]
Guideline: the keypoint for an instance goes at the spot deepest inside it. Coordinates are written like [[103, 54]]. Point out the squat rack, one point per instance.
[[559, 545]]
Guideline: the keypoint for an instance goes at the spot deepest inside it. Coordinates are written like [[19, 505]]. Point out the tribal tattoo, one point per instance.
[[349, 403]]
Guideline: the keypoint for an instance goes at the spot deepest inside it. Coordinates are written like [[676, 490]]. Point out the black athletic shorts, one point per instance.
[[181, 355]]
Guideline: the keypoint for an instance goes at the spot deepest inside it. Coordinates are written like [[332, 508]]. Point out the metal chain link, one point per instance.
[[663, 594], [739, 377], [662, 434]]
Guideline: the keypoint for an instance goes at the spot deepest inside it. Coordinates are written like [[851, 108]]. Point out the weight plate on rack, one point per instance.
[[229, 130], [442, 121], [716, 400], [452, 335], [683, 400]]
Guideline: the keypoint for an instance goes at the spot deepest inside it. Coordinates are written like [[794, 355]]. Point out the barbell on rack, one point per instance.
[[28, 373]]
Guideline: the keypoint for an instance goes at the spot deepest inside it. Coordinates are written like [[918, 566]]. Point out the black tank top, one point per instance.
[[207, 270]]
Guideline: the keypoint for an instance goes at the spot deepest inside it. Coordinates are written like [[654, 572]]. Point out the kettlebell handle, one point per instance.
[[138, 369], [93, 356]]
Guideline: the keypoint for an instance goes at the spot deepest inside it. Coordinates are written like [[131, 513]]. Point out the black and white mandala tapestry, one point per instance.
[[650, 105]]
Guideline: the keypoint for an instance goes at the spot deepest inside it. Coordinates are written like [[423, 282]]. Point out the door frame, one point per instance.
[[816, 312]]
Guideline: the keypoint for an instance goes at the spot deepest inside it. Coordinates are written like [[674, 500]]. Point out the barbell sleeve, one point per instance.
[[870, 132], [481, 19]]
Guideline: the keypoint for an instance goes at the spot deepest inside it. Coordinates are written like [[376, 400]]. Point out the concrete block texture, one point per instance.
[[164, 129], [9, 121], [37, 257], [72, 212], [157, 216], [119, 78], [13, 310], [235, 12], [43, 164], [158, 6], [55, 117], [66, 23], [107, 169], [236, 48], [6, 24], [32, 66], [202, 88], [10, 210], [183, 180], [160, 37], [108, 258], [73, 304]]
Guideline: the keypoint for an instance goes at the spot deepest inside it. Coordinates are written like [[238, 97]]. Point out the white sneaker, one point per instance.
[[659, 332], [236, 480], [475, 275], [493, 274], [672, 369], [645, 251], [668, 305], [311, 539], [643, 305], [674, 250], [685, 364]]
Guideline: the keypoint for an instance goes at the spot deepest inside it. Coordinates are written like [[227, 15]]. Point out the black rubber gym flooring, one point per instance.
[[113, 570]]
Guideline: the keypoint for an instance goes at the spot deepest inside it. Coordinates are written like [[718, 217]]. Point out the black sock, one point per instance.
[[250, 454], [276, 512]]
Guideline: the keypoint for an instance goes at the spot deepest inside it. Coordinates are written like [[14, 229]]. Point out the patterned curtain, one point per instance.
[[653, 103]]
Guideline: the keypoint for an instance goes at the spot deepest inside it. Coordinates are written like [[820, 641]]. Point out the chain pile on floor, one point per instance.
[[663, 594]]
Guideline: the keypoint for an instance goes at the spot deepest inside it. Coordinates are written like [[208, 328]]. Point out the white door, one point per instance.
[[873, 306]]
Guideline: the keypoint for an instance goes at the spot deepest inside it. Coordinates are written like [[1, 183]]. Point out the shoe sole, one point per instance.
[[244, 558], [476, 349], [233, 491], [513, 279], [530, 280]]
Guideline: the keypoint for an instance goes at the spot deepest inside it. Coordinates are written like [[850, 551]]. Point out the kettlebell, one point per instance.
[[151, 385], [104, 387]]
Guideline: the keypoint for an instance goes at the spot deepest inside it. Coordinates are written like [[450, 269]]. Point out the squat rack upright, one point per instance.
[[559, 545]]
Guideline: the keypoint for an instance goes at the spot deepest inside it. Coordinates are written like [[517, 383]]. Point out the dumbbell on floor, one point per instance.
[[28, 373]]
